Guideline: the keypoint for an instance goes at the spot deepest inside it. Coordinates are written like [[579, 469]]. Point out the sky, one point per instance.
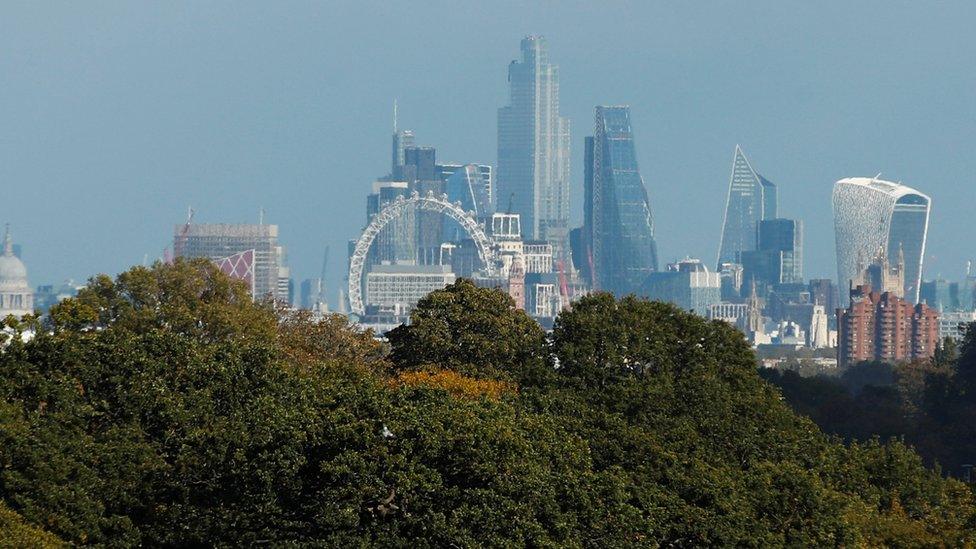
[[117, 116]]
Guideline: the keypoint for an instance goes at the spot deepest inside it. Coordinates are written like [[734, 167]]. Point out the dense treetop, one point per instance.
[[164, 408]]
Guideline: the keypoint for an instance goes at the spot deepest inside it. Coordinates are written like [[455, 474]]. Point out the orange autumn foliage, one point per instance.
[[456, 384]]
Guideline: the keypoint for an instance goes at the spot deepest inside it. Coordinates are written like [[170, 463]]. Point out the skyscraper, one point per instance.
[[687, 284], [778, 258], [468, 186], [752, 198], [533, 148], [618, 231], [218, 241], [402, 140], [872, 215]]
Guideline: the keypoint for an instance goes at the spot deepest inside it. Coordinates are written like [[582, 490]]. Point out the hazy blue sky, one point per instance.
[[114, 116]]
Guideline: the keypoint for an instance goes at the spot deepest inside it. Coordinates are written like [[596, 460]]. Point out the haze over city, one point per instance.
[[114, 118]]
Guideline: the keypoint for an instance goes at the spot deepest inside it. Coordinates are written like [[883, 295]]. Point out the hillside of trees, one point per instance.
[[165, 408], [930, 404]]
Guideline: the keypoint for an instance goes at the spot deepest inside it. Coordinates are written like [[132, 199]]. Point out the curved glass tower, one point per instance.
[[619, 228], [752, 198], [872, 215]]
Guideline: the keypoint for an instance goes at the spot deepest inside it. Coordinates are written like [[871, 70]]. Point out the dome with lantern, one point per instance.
[[16, 296]]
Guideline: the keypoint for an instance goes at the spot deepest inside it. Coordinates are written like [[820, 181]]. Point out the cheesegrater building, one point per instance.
[[618, 228]]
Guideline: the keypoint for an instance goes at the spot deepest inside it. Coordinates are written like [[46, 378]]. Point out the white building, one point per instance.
[[16, 296], [402, 286], [871, 214], [955, 325]]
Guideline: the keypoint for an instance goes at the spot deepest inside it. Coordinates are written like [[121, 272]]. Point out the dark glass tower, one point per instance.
[[618, 233], [778, 258]]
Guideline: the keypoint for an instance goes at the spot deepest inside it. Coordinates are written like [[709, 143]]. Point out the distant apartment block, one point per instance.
[[400, 287], [954, 325], [885, 327]]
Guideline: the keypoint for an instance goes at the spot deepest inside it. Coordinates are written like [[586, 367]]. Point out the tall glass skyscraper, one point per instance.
[[871, 215], [752, 198], [533, 148], [618, 227], [778, 258]]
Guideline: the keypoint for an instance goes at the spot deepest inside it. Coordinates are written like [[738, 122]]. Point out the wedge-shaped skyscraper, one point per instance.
[[618, 227], [533, 148], [872, 215], [752, 198]]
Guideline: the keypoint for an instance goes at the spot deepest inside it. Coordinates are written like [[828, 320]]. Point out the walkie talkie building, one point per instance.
[[872, 215]]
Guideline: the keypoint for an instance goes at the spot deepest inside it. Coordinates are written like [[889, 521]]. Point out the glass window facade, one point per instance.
[[751, 199], [872, 215], [619, 225]]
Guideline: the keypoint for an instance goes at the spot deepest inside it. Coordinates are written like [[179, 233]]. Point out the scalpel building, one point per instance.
[[872, 215], [752, 198]]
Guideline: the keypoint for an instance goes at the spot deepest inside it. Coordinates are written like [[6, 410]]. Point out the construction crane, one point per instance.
[[180, 238]]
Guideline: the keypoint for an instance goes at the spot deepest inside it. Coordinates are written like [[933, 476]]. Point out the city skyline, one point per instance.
[[168, 143]]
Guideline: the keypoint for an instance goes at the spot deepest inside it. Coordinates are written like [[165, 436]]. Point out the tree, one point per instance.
[[164, 408], [14, 532], [475, 331]]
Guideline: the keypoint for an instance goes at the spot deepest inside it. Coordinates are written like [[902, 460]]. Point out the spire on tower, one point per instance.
[[8, 243]]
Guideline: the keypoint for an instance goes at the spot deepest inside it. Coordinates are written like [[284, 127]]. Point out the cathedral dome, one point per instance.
[[13, 273], [16, 297]]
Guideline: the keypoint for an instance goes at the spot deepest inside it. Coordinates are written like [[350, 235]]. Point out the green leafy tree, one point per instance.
[[164, 408], [472, 330]]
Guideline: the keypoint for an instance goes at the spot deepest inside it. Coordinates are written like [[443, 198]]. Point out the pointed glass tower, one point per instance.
[[752, 198], [618, 226]]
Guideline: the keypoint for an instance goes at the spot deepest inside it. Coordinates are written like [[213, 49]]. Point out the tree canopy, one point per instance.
[[165, 408]]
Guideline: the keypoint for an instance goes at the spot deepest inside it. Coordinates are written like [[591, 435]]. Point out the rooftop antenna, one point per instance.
[[394, 115], [511, 199], [261, 216]]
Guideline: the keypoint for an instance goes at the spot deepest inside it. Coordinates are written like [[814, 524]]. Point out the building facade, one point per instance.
[[470, 186], [751, 199], [778, 257], [218, 241], [688, 284], [400, 287], [884, 327], [534, 148], [16, 295], [955, 324], [618, 229], [871, 214]]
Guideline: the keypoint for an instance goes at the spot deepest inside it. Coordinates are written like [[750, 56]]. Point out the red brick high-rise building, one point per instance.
[[885, 327]]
